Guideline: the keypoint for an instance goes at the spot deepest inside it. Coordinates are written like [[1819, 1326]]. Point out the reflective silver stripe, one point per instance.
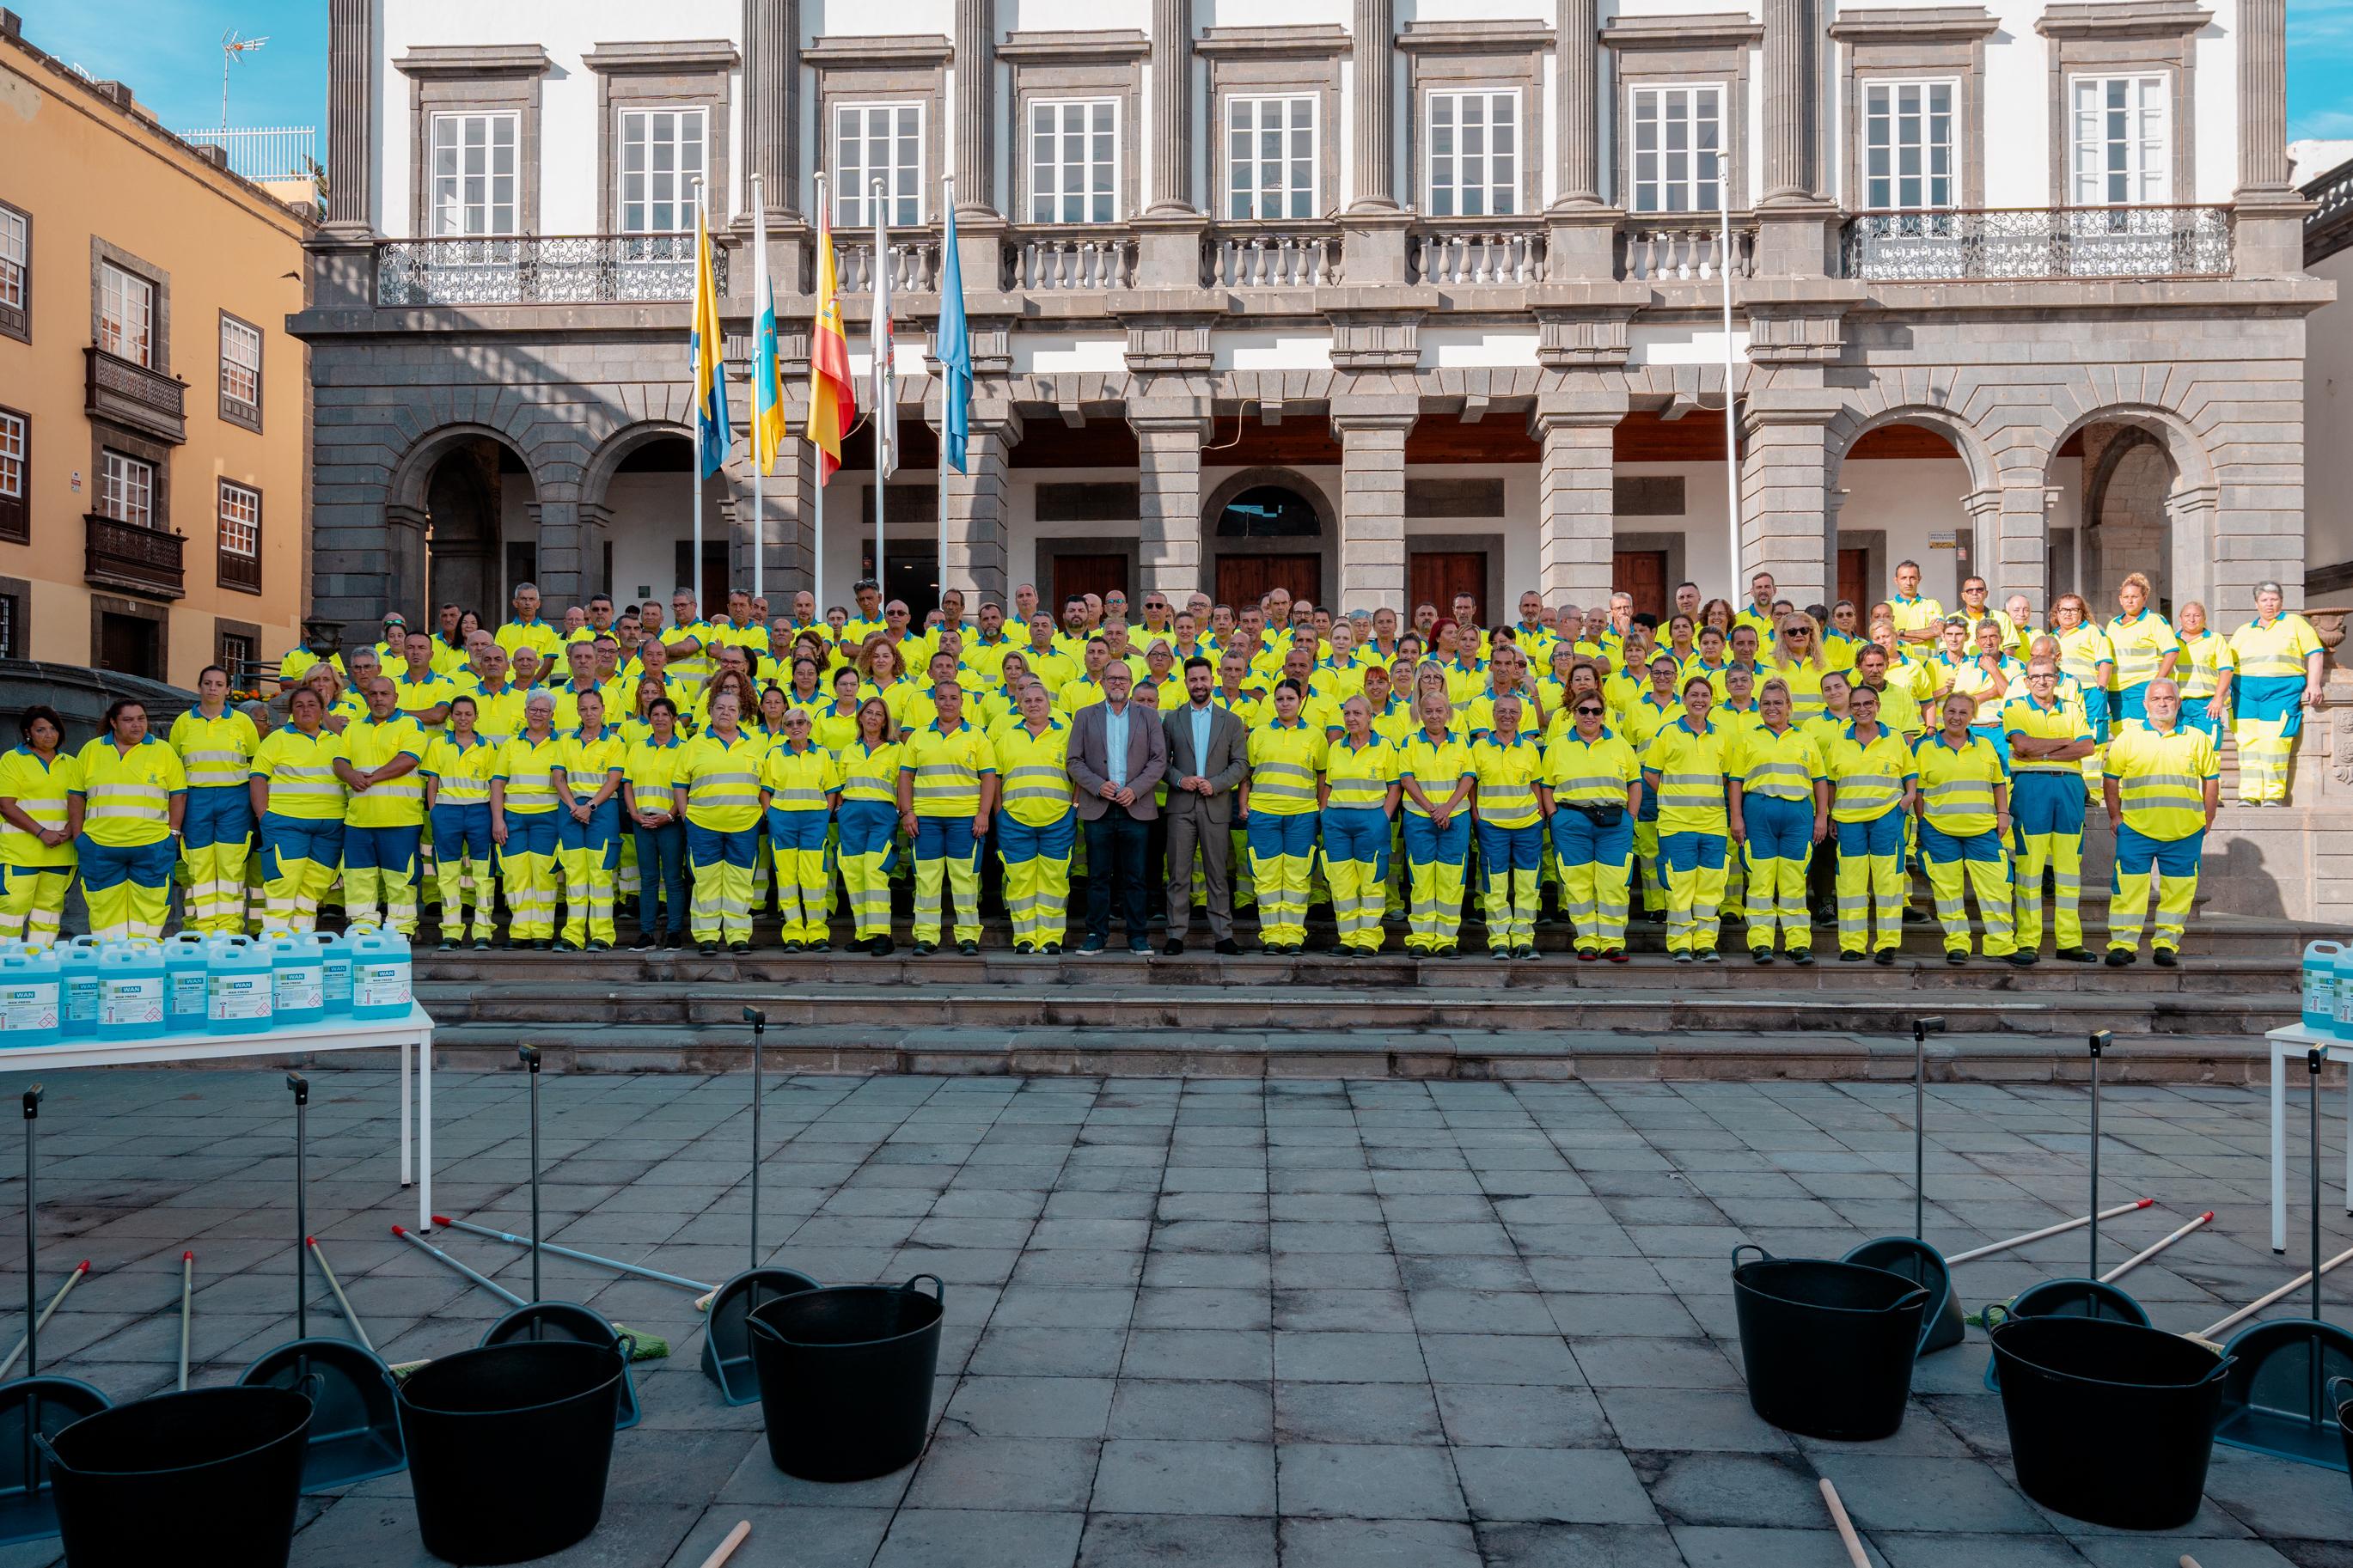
[[807, 799], [1605, 785], [956, 771]]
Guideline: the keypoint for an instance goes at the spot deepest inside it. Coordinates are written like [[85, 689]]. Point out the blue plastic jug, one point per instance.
[[2320, 961], [380, 974], [186, 963], [239, 986], [30, 989], [335, 970], [2344, 1030], [77, 985], [298, 981], [130, 989]]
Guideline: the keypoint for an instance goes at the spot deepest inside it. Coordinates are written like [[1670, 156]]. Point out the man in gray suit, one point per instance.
[[1117, 754], [1208, 756]]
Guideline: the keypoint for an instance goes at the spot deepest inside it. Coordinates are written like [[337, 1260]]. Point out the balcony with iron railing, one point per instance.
[[2027, 245], [540, 270]]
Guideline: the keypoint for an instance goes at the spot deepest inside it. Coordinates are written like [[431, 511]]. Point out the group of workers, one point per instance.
[[1775, 765]]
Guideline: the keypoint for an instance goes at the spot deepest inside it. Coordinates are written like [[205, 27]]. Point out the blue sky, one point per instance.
[[169, 51]]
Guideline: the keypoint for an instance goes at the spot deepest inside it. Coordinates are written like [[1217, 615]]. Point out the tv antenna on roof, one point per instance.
[[231, 47]]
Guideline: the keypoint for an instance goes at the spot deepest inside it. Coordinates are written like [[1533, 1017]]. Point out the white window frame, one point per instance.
[[239, 520], [454, 208], [16, 437], [2150, 183], [1920, 118], [681, 174], [126, 314], [126, 488], [1448, 192], [1249, 196], [905, 191], [1068, 191], [1696, 192], [240, 358], [15, 259]]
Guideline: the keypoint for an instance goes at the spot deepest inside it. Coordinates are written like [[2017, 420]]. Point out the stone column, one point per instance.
[[978, 518], [1784, 500], [1168, 468], [563, 565], [1372, 34], [2263, 99], [1372, 508], [975, 109], [350, 118], [398, 562], [1786, 106], [1577, 45], [2014, 544], [1575, 497], [1172, 108], [2195, 571], [772, 73]]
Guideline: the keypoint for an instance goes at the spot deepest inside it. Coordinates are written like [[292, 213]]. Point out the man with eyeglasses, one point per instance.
[[2048, 738], [2162, 786]]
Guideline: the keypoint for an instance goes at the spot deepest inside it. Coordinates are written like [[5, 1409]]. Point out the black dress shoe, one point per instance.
[[2076, 955], [1228, 946], [1172, 947]]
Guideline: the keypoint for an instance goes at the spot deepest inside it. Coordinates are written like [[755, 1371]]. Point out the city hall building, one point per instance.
[[1376, 299]]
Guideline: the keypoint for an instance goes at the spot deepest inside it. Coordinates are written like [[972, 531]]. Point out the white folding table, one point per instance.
[[414, 1033], [2289, 1045]]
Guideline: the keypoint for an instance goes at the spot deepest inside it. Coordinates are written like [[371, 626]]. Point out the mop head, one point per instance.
[[651, 1347]]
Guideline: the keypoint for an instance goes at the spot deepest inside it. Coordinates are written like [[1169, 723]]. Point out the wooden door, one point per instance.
[[1082, 575], [1643, 574], [130, 645], [711, 582], [1854, 579], [1244, 580], [1435, 577]]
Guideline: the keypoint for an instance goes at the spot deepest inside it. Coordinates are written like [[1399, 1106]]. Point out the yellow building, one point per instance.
[[154, 413]]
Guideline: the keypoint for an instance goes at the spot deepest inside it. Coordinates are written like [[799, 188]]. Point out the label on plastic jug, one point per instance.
[[25, 1009], [337, 986], [188, 994], [240, 998], [81, 1001], [298, 989], [380, 984], [131, 1003]]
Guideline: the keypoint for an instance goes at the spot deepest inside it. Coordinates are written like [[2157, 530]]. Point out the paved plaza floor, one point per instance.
[[1222, 1322]]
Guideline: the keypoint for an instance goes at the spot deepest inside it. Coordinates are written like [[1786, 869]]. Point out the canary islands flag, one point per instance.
[[711, 428]]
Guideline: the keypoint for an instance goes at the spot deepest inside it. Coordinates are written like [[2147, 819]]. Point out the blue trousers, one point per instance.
[[1435, 863], [1359, 833], [661, 879], [220, 814], [105, 865], [391, 849]]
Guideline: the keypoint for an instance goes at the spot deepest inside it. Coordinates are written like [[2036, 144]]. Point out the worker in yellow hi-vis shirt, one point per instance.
[[947, 792], [298, 799], [216, 745], [127, 815], [718, 795], [384, 814], [588, 826], [2162, 786], [37, 849]]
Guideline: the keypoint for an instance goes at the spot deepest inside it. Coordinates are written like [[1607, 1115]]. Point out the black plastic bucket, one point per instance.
[[2110, 1422], [224, 1465], [1941, 1327], [1828, 1346], [510, 1445], [2340, 1399], [846, 1377]]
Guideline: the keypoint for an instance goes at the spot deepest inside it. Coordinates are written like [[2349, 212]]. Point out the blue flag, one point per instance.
[[954, 352]]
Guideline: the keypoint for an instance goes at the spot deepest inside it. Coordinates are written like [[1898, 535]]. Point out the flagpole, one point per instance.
[[885, 403], [759, 306], [947, 208], [817, 463], [693, 583], [1731, 389]]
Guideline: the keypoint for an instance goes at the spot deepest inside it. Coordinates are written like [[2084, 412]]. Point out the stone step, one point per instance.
[[1282, 1002], [2217, 1056]]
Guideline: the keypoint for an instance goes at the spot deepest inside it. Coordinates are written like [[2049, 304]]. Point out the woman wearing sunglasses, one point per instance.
[[1596, 793]]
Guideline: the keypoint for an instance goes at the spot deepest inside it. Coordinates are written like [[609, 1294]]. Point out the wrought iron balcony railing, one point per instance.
[[131, 559], [2033, 244], [540, 270]]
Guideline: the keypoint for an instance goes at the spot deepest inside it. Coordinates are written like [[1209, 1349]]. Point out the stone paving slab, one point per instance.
[[1233, 1322]]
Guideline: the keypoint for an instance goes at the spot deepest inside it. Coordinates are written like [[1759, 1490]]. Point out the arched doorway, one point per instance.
[[1268, 529], [1901, 490], [478, 539], [2127, 517]]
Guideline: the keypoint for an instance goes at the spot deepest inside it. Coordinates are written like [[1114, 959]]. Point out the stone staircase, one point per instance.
[[1323, 1015]]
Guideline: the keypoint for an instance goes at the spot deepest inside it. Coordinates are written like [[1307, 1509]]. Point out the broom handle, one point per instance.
[[727, 1548], [759, 1025], [301, 1088], [2312, 1060], [2064, 1226], [312, 1244], [484, 1281], [530, 1061], [1855, 1552], [2260, 1302], [442, 1221], [2146, 1253], [48, 1312], [2100, 1042], [187, 1303]]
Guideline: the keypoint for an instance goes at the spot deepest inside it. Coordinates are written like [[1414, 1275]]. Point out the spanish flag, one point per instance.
[[712, 434], [833, 402]]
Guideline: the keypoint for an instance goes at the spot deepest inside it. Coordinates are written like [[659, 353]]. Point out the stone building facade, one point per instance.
[[2017, 291]]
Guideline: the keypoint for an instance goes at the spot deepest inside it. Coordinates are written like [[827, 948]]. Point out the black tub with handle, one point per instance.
[[2110, 1422], [1828, 1346], [510, 1445], [225, 1464], [846, 1377], [2340, 1399]]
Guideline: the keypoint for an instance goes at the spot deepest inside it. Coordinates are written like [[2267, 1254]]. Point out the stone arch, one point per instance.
[[1880, 546], [596, 476], [2149, 503], [444, 515], [1255, 557], [1852, 424]]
